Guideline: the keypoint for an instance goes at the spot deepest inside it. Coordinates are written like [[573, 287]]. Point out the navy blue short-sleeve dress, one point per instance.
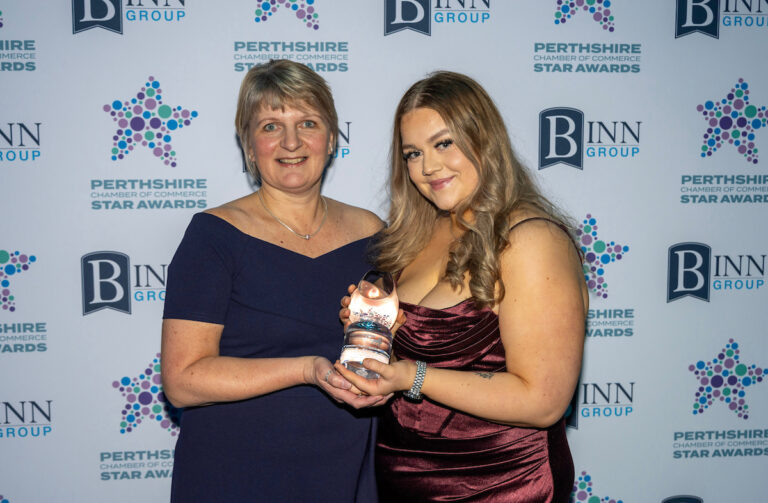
[[296, 444]]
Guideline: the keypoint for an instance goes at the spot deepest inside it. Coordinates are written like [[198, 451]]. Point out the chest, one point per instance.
[[422, 281]]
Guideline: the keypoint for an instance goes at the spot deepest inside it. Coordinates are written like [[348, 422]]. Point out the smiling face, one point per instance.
[[289, 146], [436, 165]]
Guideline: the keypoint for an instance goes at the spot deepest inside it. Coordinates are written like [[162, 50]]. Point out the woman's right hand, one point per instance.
[[344, 313]]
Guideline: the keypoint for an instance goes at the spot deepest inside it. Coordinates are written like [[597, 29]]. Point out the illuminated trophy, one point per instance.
[[373, 311]]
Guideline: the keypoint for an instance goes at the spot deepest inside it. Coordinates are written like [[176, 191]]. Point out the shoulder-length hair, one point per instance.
[[504, 186], [277, 84]]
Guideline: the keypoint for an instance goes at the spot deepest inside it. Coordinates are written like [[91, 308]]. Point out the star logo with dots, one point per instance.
[[146, 121], [3, 499], [733, 120], [726, 379], [1, 19], [597, 255], [11, 264], [145, 401], [599, 10], [582, 492], [304, 11]]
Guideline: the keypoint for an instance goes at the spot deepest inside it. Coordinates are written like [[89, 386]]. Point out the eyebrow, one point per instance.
[[308, 115], [430, 139]]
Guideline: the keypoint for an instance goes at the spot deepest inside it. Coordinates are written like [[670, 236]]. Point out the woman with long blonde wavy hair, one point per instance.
[[491, 284]]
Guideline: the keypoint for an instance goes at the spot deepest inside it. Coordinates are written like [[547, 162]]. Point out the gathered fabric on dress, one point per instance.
[[427, 452]]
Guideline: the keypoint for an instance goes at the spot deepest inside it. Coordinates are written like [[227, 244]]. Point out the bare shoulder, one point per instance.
[[535, 237], [358, 221], [237, 212], [542, 258]]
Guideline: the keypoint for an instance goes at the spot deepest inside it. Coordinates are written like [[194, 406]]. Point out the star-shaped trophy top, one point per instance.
[[733, 120], [597, 254], [304, 11], [145, 120], [726, 379], [11, 264], [598, 10], [145, 400]]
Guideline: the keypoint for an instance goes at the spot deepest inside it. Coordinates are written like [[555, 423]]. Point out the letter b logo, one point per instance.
[[407, 15], [561, 137], [106, 282], [87, 14], [701, 16], [689, 267]]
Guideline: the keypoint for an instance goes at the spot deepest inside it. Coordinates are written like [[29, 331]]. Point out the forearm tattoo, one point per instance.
[[485, 375]]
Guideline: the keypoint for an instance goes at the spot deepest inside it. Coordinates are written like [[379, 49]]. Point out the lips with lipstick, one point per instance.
[[440, 183]]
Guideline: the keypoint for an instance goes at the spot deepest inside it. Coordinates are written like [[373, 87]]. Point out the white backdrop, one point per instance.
[[74, 325]]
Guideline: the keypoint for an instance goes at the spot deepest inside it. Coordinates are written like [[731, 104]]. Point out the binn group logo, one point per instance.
[[418, 15], [566, 138], [725, 379], [707, 16], [145, 401], [109, 14], [146, 121], [693, 271], [598, 10], [304, 11], [106, 282], [598, 254], [733, 120], [25, 419], [20, 141], [12, 264], [583, 493]]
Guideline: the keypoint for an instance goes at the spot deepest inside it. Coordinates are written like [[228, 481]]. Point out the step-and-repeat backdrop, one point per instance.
[[645, 120]]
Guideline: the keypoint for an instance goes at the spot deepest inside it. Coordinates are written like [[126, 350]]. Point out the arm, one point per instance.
[[194, 373], [541, 320]]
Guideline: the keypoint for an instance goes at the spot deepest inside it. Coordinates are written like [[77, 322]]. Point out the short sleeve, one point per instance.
[[200, 275]]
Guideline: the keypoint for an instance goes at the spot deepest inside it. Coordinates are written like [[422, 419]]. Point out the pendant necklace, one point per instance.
[[302, 236]]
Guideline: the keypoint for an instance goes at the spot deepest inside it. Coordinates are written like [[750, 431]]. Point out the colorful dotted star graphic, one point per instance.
[[11, 264], [597, 254], [598, 9], [144, 120], [145, 400], [582, 491], [1, 25], [725, 378], [305, 11], [733, 120]]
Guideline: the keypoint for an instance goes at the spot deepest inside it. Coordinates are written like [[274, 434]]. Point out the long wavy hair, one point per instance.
[[504, 186]]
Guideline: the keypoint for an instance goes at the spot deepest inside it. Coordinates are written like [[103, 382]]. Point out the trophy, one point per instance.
[[373, 311]]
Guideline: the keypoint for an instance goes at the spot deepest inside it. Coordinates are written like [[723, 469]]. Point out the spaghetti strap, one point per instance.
[[561, 226]]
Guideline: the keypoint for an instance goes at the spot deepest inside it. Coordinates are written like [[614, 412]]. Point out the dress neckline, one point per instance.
[[462, 306], [268, 243]]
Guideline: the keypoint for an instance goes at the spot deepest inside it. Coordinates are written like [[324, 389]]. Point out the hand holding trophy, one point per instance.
[[373, 311]]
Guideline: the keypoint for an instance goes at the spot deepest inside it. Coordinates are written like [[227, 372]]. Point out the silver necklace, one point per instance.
[[302, 236]]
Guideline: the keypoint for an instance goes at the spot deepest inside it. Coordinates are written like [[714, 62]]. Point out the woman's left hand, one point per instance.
[[397, 376], [326, 378]]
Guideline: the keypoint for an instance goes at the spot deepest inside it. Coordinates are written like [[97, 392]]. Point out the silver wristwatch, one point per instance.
[[415, 392]]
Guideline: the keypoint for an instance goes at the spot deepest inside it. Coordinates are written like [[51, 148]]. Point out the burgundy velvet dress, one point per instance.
[[428, 452]]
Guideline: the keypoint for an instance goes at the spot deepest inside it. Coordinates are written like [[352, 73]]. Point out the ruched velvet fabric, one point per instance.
[[428, 452]]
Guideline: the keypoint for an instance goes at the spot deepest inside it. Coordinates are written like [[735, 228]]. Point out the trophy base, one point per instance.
[[358, 369]]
